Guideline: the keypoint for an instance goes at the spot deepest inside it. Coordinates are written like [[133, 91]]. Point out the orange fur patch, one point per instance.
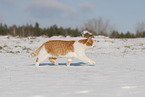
[[83, 41], [88, 42], [57, 47]]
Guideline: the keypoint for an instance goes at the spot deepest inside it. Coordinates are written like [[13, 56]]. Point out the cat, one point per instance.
[[69, 49]]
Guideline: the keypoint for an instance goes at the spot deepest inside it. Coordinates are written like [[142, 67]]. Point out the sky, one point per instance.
[[123, 15]]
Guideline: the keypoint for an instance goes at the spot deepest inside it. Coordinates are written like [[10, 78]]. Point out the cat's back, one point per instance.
[[58, 44], [59, 47]]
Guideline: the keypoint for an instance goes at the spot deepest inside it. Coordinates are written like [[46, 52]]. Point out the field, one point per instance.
[[119, 70]]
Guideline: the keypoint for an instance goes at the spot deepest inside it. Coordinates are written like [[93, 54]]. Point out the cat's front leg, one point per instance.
[[92, 62], [85, 59]]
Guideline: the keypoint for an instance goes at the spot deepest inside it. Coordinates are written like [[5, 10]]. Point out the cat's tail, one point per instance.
[[36, 52]]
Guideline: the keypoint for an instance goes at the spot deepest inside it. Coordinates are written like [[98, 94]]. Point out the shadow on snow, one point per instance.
[[61, 64]]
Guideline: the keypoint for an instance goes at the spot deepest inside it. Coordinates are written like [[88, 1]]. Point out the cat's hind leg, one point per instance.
[[40, 59], [37, 62], [69, 61], [52, 60], [41, 56]]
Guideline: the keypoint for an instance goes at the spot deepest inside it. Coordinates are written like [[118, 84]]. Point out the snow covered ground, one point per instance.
[[119, 70]]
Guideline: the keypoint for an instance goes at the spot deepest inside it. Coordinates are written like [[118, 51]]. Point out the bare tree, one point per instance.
[[140, 27], [98, 26], [14, 30]]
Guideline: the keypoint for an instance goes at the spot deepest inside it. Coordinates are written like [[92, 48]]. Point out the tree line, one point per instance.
[[29, 30], [116, 34], [95, 26]]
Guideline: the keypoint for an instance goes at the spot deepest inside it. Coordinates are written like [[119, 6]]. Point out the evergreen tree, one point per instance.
[[3, 29], [37, 29], [114, 34], [127, 35]]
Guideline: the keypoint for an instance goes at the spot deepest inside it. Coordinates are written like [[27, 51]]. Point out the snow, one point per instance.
[[119, 70]]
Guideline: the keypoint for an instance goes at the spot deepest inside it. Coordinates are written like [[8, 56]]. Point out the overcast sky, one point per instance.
[[123, 15]]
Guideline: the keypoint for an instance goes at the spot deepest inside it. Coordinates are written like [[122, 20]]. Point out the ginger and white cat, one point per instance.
[[69, 49]]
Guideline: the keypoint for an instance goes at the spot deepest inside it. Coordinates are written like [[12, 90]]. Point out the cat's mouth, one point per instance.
[[91, 46]]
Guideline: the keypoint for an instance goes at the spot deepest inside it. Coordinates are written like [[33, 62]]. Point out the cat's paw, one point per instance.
[[92, 62]]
